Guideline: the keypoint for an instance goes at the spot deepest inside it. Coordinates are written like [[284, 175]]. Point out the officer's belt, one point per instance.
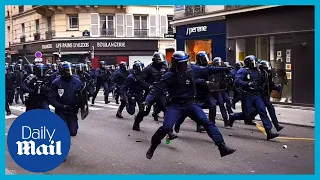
[[181, 101]]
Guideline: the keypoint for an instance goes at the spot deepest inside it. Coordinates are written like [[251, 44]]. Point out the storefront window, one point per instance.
[[194, 46], [277, 50]]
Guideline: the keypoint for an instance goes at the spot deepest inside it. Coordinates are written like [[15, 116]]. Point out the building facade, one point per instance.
[[76, 33], [283, 35]]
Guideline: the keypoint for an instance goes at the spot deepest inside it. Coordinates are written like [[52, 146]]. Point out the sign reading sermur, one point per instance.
[[196, 29], [111, 44]]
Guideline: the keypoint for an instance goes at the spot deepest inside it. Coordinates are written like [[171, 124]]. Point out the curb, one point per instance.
[[219, 117]]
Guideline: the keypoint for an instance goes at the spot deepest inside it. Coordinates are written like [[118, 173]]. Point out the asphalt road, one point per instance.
[[108, 145]]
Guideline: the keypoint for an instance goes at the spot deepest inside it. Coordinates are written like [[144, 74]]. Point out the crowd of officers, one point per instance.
[[179, 89]]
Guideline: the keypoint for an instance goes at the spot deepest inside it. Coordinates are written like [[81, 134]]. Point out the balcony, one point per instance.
[[141, 32], [36, 36], [235, 7], [45, 10], [22, 38], [108, 32], [194, 10], [50, 34]]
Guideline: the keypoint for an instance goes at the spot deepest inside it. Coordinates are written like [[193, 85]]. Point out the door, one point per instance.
[[169, 53]]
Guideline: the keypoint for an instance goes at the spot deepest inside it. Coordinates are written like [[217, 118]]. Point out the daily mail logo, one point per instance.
[[196, 30]]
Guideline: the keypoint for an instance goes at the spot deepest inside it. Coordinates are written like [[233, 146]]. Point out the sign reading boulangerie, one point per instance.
[[73, 45], [111, 44]]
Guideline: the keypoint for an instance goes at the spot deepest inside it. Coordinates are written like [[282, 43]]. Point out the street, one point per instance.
[[108, 145]]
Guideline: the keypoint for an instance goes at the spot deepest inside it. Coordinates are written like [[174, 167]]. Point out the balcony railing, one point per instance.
[[107, 32], [22, 38], [233, 7], [36, 36], [141, 32], [195, 10], [50, 34]]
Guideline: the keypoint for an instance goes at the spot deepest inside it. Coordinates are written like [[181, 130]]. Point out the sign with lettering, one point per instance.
[[111, 44], [73, 45], [179, 8], [169, 36], [196, 30], [46, 46]]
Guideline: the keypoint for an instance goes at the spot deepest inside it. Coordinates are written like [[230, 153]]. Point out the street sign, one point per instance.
[[38, 54]]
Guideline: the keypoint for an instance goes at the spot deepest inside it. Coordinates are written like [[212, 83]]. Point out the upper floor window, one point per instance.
[[8, 13], [73, 21], [21, 9], [107, 25], [8, 32], [140, 25], [23, 30], [170, 27], [37, 26]]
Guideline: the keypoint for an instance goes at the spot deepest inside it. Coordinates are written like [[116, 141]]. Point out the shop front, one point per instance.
[[77, 51], [285, 37], [209, 37]]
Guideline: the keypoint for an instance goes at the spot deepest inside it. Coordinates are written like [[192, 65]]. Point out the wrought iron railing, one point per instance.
[[195, 10], [50, 34], [141, 32], [107, 32]]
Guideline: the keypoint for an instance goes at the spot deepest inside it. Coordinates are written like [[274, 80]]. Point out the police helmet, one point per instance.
[[158, 57], [238, 65], [251, 61], [12, 67], [102, 64], [20, 61], [54, 67], [137, 67], [19, 67], [217, 61], [6, 69], [263, 64], [40, 70], [67, 69], [86, 67], [80, 67], [179, 61], [123, 66], [202, 58]]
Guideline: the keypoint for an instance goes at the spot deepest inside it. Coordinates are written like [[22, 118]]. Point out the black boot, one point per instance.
[[224, 150], [155, 116], [119, 114], [200, 128], [151, 150], [106, 101], [278, 127], [226, 123], [172, 136], [177, 128], [92, 101], [117, 101], [250, 122], [8, 113], [271, 135], [136, 125], [231, 120]]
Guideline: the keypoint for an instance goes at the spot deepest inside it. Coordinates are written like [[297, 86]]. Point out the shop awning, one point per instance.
[[71, 52]]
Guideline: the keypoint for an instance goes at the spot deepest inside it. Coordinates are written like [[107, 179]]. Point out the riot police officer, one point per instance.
[[248, 79], [236, 93], [10, 84], [133, 90], [37, 85], [19, 73], [267, 85], [64, 97], [103, 78], [150, 76], [181, 88], [119, 79], [83, 75], [91, 85]]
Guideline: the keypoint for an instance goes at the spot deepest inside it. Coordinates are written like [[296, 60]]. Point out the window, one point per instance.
[[170, 27], [73, 21], [8, 32], [23, 30], [49, 23], [194, 46], [30, 31], [140, 26], [107, 25], [37, 26], [21, 9], [8, 13], [15, 34]]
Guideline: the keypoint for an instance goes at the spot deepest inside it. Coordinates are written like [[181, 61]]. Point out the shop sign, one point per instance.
[[73, 45], [169, 35], [46, 46], [197, 29], [111, 44]]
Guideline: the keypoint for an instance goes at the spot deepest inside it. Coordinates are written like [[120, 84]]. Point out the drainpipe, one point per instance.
[[158, 17]]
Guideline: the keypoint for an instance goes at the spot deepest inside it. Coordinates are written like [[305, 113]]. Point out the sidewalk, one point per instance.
[[294, 115]]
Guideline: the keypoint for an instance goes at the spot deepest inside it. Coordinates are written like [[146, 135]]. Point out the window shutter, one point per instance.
[[152, 25], [129, 25], [94, 25], [163, 25], [120, 25]]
